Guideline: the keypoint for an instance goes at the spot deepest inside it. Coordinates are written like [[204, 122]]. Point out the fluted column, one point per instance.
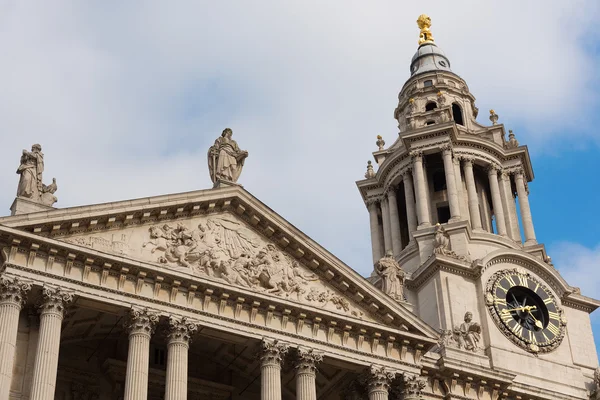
[[141, 325], [526, 218], [178, 343], [376, 237], [462, 200], [472, 193], [497, 200], [13, 294], [510, 209], [378, 384], [387, 230], [394, 221], [271, 357], [45, 368], [413, 387], [419, 180], [409, 198], [451, 189], [306, 374]]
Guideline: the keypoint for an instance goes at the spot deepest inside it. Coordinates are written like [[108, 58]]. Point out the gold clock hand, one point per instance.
[[538, 323], [526, 308]]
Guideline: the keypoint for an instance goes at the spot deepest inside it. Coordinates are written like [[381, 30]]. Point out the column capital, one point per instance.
[[54, 300], [272, 352], [181, 330], [446, 148], [416, 155], [468, 160], [379, 379], [492, 169], [407, 172], [141, 321], [519, 172], [505, 174], [390, 191], [307, 360], [413, 386], [14, 291], [372, 202]]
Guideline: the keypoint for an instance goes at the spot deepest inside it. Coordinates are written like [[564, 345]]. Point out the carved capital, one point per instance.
[[407, 172], [141, 321], [272, 352], [372, 202], [492, 169], [13, 291], [467, 161], [307, 360], [379, 379], [446, 148], [181, 330], [416, 156], [504, 174], [519, 172], [413, 386], [55, 300]]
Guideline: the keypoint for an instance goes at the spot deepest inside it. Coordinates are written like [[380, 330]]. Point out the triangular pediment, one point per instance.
[[228, 236]]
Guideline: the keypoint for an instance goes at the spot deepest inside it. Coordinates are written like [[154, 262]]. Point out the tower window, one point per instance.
[[443, 213], [430, 106], [457, 114], [439, 181], [429, 122], [428, 83]]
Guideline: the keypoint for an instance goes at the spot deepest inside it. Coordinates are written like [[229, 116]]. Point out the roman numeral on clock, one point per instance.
[[553, 328]]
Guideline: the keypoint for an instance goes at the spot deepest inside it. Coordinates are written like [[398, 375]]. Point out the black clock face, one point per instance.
[[526, 310]]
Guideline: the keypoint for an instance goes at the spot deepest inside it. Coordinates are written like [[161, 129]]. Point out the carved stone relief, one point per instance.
[[464, 336], [223, 248]]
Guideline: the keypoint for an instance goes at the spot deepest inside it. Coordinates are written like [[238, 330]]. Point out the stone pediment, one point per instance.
[[223, 247], [227, 236]]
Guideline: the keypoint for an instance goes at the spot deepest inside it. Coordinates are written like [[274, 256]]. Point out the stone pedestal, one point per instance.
[[141, 325], [271, 357], [13, 293], [178, 344], [45, 368], [23, 205], [306, 373]]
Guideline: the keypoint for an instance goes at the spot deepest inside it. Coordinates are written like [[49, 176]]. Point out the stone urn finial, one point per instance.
[[380, 142], [370, 172], [493, 117], [512, 141]]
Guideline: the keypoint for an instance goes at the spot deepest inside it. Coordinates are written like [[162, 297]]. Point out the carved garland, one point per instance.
[[525, 344]]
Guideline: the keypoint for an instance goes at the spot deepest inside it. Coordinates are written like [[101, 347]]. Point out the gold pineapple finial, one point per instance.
[[424, 23]]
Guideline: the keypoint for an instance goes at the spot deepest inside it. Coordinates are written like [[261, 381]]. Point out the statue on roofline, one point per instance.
[[30, 183], [225, 159]]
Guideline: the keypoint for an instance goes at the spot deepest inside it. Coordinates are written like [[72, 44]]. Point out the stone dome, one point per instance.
[[429, 58]]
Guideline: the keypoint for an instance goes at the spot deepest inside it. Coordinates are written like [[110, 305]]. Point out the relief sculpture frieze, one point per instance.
[[223, 248]]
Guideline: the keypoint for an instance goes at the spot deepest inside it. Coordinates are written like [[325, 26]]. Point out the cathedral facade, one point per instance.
[[211, 295]]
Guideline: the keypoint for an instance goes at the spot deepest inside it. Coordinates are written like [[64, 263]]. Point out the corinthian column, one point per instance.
[[379, 382], [13, 293], [271, 357], [141, 325], [497, 200], [46, 356], [394, 221], [178, 344], [376, 237], [472, 194], [451, 183], [422, 200], [387, 230], [412, 388], [409, 198], [510, 210], [525, 210], [306, 373]]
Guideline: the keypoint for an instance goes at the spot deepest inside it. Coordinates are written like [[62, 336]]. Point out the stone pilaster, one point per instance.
[[421, 190], [510, 209], [13, 294], [387, 229], [394, 221], [271, 358], [178, 343], [141, 325], [497, 200], [376, 237], [413, 387], [472, 197], [451, 188], [54, 302], [526, 218], [409, 198], [306, 374], [379, 381]]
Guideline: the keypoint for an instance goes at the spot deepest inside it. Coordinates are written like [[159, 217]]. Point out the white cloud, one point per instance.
[[126, 100], [579, 265]]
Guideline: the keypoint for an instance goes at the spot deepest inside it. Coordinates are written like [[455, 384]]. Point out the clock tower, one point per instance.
[[449, 202]]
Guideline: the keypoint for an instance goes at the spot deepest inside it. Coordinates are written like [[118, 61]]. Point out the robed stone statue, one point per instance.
[[392, 276], [225, 159], [30, 183]]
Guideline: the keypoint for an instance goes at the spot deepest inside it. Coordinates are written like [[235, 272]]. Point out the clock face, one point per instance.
[[525, 310]]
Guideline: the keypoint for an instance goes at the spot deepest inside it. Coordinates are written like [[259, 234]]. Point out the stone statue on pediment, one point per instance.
[[30, 183], [225, 159], [470, 333], [392, 276]]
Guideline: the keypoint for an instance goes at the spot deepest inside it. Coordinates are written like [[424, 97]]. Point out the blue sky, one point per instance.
[[126, 99]]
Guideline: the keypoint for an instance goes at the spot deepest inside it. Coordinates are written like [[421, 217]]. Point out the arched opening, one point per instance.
[[429, 122], [457, 114], [430, 106], [428, 83]]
